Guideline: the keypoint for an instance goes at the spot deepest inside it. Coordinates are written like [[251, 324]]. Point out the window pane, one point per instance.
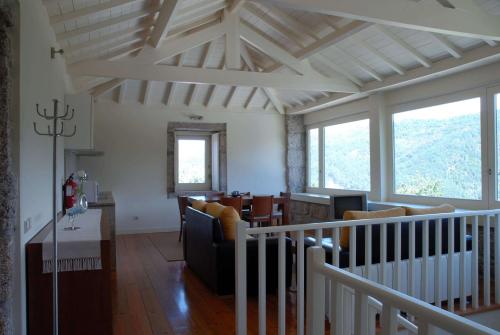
[[347, 156], [437, 150], [497, 113], [191, 161], [313, 157]]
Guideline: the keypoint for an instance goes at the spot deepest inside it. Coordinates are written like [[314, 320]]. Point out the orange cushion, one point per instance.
[[214, 209], [360, 215], [444, 208], [199, 205], [229, 219]]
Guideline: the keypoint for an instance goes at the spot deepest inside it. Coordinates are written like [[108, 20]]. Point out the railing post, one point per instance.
[[241, 278], [315, 306]]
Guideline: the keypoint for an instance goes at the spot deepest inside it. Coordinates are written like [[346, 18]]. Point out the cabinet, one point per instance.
[[84, 121]]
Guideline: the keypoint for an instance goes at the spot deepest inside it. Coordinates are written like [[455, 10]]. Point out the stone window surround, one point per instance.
[[173, 127]]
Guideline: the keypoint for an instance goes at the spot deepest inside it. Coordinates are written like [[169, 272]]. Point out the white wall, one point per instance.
[[41, 80], [133, 138]]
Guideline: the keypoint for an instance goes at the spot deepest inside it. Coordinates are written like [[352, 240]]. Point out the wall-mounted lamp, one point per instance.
[[195, 117], [54, 52]]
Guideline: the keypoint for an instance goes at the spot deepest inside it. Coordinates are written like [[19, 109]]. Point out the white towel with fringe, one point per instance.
[[78, 250]]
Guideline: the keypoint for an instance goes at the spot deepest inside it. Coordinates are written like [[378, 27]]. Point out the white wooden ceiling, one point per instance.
[[366, 55]]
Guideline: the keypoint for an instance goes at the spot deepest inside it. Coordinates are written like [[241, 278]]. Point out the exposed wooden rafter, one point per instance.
[[163, 22], [467, 21]]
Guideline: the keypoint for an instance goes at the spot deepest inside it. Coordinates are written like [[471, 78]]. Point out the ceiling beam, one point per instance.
[[358, 63], [337, 68], [233, 44], [106, 87], [163, 22], [132, 70], [173, 86], [383, 58], [122, 91], [471, 59], [269, 92], [147, 93], [447, 45], [235, 6], [206, 57], [417, 55], [422, 15]]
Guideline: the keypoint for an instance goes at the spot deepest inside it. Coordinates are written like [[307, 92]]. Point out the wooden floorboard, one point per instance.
[[153, 296]]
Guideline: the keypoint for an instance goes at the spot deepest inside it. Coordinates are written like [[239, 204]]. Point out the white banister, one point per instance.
[[497, 258], [425, 259], [437, 262], [300, 283], [346, 295], [486, 260], [241, 278], [462, 275], [451, 252], [315, 292], [282, 284], [475, 262], [262, 284]]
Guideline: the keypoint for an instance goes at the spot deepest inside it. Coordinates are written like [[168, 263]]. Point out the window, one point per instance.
[[347, 156], [313, 161], [193, 162], [437, 151]]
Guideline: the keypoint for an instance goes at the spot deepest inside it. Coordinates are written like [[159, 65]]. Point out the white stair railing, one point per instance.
[[436, 279], [428, 317]]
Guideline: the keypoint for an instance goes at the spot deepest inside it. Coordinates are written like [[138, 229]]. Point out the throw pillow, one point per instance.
[[214, 209], [199, 205], [360, 215], [229, 219]]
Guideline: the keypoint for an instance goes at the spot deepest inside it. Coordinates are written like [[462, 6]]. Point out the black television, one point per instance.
[[352, 202]]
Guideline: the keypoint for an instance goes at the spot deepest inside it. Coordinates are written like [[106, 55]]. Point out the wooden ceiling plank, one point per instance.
[[386, 60], [358, 63], [338, 69], [89, 10], [163, 22]]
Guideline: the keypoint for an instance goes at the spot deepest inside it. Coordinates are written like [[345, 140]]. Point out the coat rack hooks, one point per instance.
[[53, 132]]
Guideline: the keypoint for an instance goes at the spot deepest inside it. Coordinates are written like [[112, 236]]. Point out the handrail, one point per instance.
[[365, 222], [440, 318]]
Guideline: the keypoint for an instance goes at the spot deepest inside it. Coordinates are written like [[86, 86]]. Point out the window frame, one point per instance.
[[392, 196], [365, 115], [207, 185], [493, 136]]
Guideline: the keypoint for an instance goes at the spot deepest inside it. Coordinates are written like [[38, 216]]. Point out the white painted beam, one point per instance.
[[122, 92], [250, 97], [338, 69], [390, 63], [447, 45], [422, 15], [233, 45], [356, 62], [132, 70], [404, 45], [173, 86], [235, 6], [147, 93], [163, 22], [206, 57], [106, 87], [471, 59]]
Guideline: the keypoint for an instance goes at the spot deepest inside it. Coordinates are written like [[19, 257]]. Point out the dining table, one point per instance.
[[247, 201]]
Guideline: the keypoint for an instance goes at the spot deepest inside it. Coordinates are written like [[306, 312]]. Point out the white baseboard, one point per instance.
[[131, 231]]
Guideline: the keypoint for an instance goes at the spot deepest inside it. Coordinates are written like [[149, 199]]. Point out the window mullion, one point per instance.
[[321, 135]]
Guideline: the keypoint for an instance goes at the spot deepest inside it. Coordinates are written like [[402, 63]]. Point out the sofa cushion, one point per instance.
[[214, 209], [360, 215], [199, 205], [229, 218], [444, 208]]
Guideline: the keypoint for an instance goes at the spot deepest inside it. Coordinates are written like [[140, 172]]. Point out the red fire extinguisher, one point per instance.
[[70, 191]]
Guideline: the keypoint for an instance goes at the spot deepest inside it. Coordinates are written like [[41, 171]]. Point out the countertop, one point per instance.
[[105, 199]]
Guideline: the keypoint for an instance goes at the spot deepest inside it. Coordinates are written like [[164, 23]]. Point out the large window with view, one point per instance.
[[347, 156], [437, 151]]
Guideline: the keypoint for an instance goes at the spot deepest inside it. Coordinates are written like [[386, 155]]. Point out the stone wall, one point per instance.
[[295, 153], [306, 212]]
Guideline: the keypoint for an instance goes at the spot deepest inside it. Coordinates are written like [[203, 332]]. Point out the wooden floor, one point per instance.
[[154, 296]]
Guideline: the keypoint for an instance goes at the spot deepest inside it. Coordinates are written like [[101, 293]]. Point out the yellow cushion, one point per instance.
[[360, 215], [229, 219], [445, 208], [199, 205], [214, 209]]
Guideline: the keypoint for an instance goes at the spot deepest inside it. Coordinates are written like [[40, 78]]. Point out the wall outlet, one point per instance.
[[27, 225]]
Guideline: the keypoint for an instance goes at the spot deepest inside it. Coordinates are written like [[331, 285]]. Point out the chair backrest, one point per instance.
[[235, 202], [217, 194], [183, 203], [262, 206], [246, 194]]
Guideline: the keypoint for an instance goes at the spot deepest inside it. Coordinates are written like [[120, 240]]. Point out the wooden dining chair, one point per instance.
[[235, 202], [217, 194], [262, 210], [183, 204], [280, 212]]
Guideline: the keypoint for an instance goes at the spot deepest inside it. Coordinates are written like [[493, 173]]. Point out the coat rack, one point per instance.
[[55, 133]]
